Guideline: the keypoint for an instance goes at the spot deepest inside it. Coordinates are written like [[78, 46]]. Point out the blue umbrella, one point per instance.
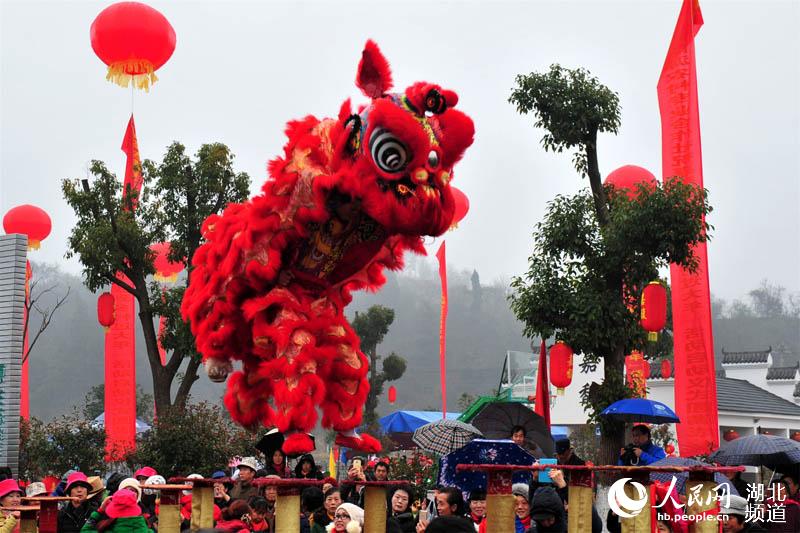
[[759, 450], [482, 451], [640, 410], [682, 477]]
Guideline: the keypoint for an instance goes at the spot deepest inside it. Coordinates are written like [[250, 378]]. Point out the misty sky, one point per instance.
[[242, 69]]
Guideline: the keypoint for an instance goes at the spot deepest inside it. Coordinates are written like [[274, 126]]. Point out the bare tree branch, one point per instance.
[[47, 314]]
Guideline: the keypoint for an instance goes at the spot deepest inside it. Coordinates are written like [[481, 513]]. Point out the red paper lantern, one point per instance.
[[28, 220], [654, 309], [134, 40], [635, 372], [730, 435], [796, 436], [462, 207], [629, 177], [666, 369], [561, 366], [106, 314], [392, 394], [166, 270]]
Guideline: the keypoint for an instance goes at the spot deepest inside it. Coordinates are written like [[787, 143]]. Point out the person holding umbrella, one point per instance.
[[642, 451]]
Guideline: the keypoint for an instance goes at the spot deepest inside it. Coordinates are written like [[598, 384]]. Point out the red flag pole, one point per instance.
[[695, 376], [441, 256]]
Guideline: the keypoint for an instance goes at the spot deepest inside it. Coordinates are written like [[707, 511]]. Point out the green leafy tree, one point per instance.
[[595, 251], [67, 442], [112, 241], [199, 439], [372, 327], [94, 403]]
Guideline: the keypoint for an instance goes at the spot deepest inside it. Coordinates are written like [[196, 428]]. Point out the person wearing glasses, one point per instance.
[[348, 518]]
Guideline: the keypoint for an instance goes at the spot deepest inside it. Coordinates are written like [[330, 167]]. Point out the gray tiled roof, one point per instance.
[[782, 372], [655, 370], [797, 391], [735, 358], [742, 396]]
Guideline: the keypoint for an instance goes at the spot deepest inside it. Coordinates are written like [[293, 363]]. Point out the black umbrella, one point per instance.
[[759, 450], [496, 419], [681, 477], [271, 441]]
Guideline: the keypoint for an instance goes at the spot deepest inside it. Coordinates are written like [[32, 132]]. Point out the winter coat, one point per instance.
[[313, 474], [243, 492], [321, 519], [547, 500], [280, 470], [132, 524], [234, 526], [406, 521], [71, 519], [650, 454], [7, 523], [519, 525], [791, 522]]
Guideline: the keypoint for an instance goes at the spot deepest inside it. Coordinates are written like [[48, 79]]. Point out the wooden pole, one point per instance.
[[375, 510], [706, 503], [581, 498], [500, 502], [640, 523]]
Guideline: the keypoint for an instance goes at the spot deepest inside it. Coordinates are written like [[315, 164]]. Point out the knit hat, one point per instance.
[[35, 489], [97, 486], [356, 517], [249, 462], [154, 480], [191, 476], [219, 474], [7, 486], [145, 471], [123, 505], [132, 484], [520, 489], [77, 479]]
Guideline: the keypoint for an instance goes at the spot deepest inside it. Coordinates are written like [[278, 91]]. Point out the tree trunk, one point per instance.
[[596, 181], [612, 436], [162, 378], [189, 377]]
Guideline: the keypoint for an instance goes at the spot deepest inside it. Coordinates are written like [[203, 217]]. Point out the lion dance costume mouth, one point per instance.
[[270, 283]]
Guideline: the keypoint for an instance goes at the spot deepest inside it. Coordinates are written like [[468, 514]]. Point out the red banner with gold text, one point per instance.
[[120, 348], [441, 256], [695, 376]]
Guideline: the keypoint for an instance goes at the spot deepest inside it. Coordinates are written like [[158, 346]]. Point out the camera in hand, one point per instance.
[[628, 456]]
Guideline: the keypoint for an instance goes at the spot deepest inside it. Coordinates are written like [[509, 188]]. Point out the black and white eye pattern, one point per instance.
[[388, 152]]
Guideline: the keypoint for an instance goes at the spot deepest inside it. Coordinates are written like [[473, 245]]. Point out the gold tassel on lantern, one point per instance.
[[119, 72]]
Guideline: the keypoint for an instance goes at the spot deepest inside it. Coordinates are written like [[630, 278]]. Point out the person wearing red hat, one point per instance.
[[74, 515], [10, 496], [119, 513], [143, 473]]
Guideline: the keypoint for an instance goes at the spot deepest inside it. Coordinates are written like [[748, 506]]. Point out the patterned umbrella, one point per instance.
[[681, 477], [759, 450], [444, 436]]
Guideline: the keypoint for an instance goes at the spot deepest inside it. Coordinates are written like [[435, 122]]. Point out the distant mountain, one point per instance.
[[68, 359]]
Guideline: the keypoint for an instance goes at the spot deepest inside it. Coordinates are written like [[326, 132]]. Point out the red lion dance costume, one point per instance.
[[270, 284]]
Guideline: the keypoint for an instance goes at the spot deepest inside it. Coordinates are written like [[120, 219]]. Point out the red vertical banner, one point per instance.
[[695, 376], [442, 257], [120, 376], [542, 405], [120, 360]]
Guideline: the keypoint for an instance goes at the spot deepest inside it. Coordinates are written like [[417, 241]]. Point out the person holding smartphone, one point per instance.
[[355, 493]]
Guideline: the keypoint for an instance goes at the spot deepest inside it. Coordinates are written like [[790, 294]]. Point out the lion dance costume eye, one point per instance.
[[269, 286]]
